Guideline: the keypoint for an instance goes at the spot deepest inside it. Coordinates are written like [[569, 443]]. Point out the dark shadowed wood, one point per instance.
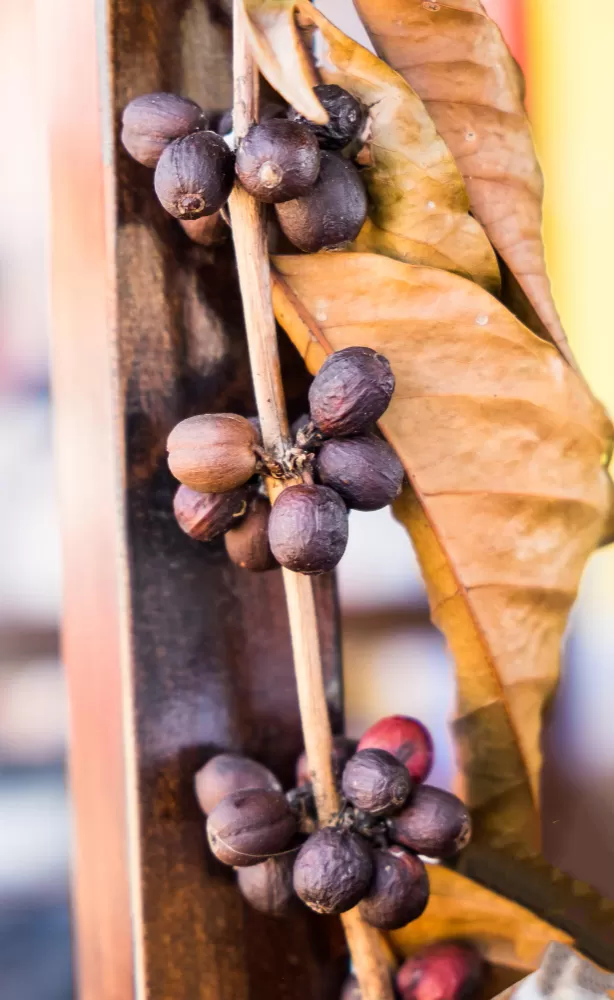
[[171, 652]]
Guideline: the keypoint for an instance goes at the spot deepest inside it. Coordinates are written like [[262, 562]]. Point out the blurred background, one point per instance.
[[394, 660]]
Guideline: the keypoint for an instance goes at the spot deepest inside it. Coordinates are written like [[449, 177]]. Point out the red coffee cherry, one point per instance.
[[248, 826], [399, 890], [268, 887], [447, 970], [230, 772], [278, 160], [435, 823], [152, 121], [343, 749], [308, 529], [333, 870], [375, 782], [204, 516], [351, 391], [194, 175], [407, 739], [247, 544], [364, 471]]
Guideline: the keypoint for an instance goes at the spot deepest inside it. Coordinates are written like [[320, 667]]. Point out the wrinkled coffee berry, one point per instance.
[[375, 782], [332, 213], [247, 544], [152, 121], [248, 826], [435, 823], [332, 871], [268, 887], [346, 117], [230, 772], [194, 175], [308, 529], [204, 516], [351, 391], [343, 749], [447, 970], [398, 892], [407, 739], [278, 160], [364, 471], [213, 452]]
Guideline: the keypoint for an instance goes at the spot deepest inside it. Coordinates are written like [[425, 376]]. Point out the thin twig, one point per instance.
[[249, 234]]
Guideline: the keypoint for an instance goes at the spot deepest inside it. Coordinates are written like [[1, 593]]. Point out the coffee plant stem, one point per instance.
[[249, 235]]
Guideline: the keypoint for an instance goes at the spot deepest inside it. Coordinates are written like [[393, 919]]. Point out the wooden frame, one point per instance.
[[170, 651]]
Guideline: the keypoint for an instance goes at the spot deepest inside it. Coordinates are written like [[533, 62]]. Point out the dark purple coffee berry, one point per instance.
[[435, 823], [333, 870], [194, 175], [268, 887], [446, 970], [365, 471], [399, 890], [308, 529], [332, 213], [346, 117], [248, 826], [152, 121], [230, 772], [351, 391], [375, 782], [278, 160], [204, 516], [406, 739], [343, 749], [247, 544]]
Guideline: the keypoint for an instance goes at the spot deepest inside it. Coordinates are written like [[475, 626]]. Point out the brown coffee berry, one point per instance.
[[230, 772], [446, 970], [364, 471], [351, 391], [208, 231], [194, 175], [248, 826], [308, 529], [204, 516], [213, 452], [332, 213], [346, 117], [343, 749], [152, 121], [407, 739], [333, 870], [375, 782], [278, 160], [434, 823], [247, 544], [268, 887], [398, 892]]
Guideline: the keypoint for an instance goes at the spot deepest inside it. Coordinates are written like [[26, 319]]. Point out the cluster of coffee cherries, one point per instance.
[[285, 161], [372, 854], [444, 970], [219, 460]]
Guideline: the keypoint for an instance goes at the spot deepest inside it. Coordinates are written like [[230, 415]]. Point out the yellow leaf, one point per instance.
[[455, 58], [419, 208], [506, 933], [278, 49], [502, 444]]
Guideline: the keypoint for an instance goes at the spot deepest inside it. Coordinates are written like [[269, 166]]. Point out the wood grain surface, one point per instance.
[[171, 652]]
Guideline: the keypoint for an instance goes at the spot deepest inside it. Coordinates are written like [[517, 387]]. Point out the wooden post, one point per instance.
[[171, 652]]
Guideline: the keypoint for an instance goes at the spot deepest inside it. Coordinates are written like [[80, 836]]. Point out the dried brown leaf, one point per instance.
[[456, 59], [278, 49], [502, 444], [419, 208]]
